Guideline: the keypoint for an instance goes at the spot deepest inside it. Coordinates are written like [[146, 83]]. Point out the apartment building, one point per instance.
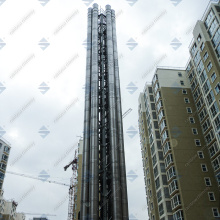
[[4, 154], [180, 182], [77, 189], [203, 72]]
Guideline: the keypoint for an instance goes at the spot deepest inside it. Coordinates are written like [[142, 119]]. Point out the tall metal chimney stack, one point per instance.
[[104, 187]]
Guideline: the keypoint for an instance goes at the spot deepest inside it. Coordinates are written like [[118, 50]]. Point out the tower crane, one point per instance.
[[37, 178], [72, 186]]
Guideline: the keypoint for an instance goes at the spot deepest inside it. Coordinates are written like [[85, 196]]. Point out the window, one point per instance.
[[214, 109], [171, 173], [159, 196], [205, 125], [154, 159], [205, 57], [204, 168], [155, 171], [157, 183], [194, 131], [197, 58], [217, 123], [209, 137], [202, 47], [2, 166], [193, 50], [213, 77], [189, 110], [173, 186], [211, 196], [199, 103], [216, 163], [202, 114], [2, 175], [196, 94], [200, 67], [178, 215], [168, 160], [212, 28], [192, 120], [175, 201], [207, 181], [197, 142], [213, 149], [152, 205], [203, 77], [215, 212], [162, 167], [209, 66], [166, 148], [180, 74], [217, 89], [210, 98], [218, 51], [181, 82], [206, 87], [216, 38], [4, 157], [184, 91], [200, 154], [209, 18], [199, 38], [186, 100], [161, 211]]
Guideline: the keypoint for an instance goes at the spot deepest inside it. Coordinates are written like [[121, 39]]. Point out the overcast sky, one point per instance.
[[42, 75]]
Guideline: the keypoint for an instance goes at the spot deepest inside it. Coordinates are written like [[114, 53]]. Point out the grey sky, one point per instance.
[[24, 66]]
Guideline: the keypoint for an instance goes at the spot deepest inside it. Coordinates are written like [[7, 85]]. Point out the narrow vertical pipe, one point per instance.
[[116, 187], [94, 145], [120, 125], [86, 133]]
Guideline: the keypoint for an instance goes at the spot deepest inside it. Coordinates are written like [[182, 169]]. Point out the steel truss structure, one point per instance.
[[104, 187]]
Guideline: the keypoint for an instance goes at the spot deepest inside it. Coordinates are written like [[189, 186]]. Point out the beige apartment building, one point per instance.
[[203, 72], [77, 189], [179, 178]]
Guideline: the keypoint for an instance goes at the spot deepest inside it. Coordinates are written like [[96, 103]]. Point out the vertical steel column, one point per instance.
[[103, 121], [115, 170], [94, 145], [120, 125], [86, 133]]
